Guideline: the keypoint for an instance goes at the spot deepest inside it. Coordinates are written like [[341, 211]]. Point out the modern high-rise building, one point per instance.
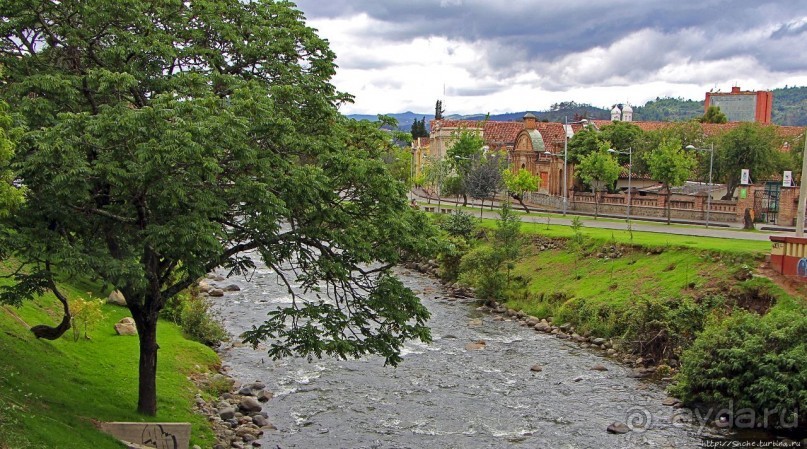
[[742, 106]]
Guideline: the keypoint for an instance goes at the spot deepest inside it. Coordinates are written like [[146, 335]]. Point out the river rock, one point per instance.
[[565, 326], [203, 286], [599, 367], [543, 326], [536, 368], [126, 326], [598, 341], [475, 322], [260, 420], [475, 346], [618, 428], [670, 402], [250, 404], [264, 396], [246, 390], [116, 298], [219, 278], [227, 413], [216, 292], [232, 288]]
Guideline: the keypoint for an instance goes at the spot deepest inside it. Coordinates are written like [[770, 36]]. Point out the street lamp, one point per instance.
[[711, 151], [630, 173], [566, 124]]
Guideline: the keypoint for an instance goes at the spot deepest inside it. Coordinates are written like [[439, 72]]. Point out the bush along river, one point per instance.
[[484, 382]]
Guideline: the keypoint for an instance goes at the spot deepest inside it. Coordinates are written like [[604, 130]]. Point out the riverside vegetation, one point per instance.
[[697, 311]]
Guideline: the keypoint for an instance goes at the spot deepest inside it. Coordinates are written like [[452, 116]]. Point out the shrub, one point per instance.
[[192, 314], [749, 362], [450, 257], [460, 224], [198, 324], [86, 313]]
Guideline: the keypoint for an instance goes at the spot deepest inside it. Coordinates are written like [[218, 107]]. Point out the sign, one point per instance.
[[787, 179], [743, 193], [745, 177]]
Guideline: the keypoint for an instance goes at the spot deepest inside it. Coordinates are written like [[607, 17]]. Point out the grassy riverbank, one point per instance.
[[706, 308], [52, 391]]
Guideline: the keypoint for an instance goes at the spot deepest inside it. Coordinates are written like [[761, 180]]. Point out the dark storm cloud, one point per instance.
[[540, 32]]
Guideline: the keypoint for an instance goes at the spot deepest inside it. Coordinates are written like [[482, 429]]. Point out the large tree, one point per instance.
[[749, 145], [166, 139], [670, 165]]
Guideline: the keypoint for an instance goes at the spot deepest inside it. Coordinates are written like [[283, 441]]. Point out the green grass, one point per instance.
[[51, 391], [652, 240]]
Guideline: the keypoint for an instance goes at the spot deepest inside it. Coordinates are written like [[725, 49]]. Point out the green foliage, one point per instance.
[[450, 257], [749, 145], [419, 129], [520, 183], [669, 110], [714, 115], [45, 404], [584, 142], [460, 224], [163, 141], [621, 135], [11, 197], [599, 170], [789, 106], [86, 314], [748, 361], [482, 266], [670, 165], [197, 323]]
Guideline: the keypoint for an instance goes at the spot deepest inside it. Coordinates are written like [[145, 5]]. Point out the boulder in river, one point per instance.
[[536, 368], [216, 292], [475, 346], [599, 367]]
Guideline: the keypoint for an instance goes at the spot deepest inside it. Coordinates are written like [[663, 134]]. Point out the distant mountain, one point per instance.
[[789, 109]]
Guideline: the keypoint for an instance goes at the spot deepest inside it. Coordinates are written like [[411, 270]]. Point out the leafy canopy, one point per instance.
[[166, 139]]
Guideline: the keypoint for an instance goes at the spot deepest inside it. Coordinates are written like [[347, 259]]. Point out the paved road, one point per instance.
[[733, 231]]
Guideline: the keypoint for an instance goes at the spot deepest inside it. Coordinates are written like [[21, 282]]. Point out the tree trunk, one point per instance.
[[520, 199], [464, 199], [669, 197], [596, 204], [147, 387]]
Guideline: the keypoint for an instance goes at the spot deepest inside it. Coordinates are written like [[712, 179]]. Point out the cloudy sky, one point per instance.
[[503, 56]]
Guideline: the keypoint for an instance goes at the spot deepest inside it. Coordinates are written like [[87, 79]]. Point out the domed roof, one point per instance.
[[616, 109], [626, 108], [530, 115]]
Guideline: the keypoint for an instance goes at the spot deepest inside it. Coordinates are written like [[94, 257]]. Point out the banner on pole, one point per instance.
[[745, 176], [787, 179]]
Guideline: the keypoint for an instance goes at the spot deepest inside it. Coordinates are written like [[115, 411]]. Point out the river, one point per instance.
[[443, 395]]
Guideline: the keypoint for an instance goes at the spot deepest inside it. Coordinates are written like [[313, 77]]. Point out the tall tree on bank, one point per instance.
[[167, 139], [599, 170], [670, 165]]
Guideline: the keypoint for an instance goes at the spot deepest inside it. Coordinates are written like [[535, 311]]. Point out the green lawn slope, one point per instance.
[[52, 391]]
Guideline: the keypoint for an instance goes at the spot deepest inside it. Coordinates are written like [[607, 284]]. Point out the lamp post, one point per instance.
[[711, 151], [630, 173], [566, 158]]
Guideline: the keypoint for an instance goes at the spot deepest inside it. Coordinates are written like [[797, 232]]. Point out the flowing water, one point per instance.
[[442, 395]]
